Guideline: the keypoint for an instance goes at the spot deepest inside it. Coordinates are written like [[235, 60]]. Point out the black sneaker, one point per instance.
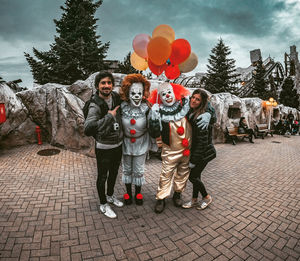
[[159, 206]]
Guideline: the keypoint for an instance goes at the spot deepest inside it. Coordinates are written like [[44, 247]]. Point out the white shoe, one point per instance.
[[113, 200], [107, 210], [190, 204], [205, 202]]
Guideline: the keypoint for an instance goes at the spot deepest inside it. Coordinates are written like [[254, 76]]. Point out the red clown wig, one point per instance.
[[178, 89]]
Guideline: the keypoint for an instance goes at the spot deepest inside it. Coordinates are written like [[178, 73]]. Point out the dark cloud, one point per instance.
[[28, 19], [271, 25]]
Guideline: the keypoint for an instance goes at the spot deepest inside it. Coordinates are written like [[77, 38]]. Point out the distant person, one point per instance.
[[104, 123], [290, 121], [279, 127], [244, 129], [202, 150]]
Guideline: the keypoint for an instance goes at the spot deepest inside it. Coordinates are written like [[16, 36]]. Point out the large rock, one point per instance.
[[57, 109], [18, 129], [59, 114]]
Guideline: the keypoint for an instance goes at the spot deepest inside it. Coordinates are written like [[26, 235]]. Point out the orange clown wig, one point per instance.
[[129, 80]]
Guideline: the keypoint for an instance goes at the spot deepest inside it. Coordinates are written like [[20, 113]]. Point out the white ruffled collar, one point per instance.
[[129, 111]]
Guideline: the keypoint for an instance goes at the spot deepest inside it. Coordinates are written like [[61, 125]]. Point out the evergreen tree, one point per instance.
[[125, 66], [273, 89], [77, 51], [288, 95], [221, 76], [260, 87]]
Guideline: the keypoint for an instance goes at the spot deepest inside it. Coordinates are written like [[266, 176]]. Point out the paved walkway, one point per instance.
[[49, 209]]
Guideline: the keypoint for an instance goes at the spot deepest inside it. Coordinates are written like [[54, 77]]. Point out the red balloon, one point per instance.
[[181, 50], [156, 69], [172, 72]]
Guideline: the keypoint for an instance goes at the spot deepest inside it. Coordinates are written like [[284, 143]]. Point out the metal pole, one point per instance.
[[270, 108]]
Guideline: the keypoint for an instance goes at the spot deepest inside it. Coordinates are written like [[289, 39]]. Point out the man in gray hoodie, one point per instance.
[[103, 122]]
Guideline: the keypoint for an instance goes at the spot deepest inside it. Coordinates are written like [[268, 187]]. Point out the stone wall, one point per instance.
[[57, 109]]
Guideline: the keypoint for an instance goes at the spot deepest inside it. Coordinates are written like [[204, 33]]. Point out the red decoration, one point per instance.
[[132, 121], [133, 140], [132, 132], [139, 196], [181, 50], [186, 152], [185, 142], [126, 196], [178, 89], [180, 130], [172, 72], [38, 133], [156, 69], [2, 113]]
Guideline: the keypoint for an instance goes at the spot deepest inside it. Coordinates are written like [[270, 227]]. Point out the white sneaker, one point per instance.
[[113, 200], [190, 204], [107, 210], [205, 202]]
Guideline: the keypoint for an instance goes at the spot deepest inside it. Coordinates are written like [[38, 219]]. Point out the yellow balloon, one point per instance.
[[138, 62], [189, 64], [165, 31]]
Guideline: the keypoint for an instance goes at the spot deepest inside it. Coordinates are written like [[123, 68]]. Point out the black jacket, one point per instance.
[[100, 124], [202, 149]]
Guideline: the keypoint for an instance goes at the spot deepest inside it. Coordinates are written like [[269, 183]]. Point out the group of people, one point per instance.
[[124, 126], [287, 125]]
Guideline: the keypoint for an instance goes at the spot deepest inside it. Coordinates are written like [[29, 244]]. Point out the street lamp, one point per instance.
[[271, 103]]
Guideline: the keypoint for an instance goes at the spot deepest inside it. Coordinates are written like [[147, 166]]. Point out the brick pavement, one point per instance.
[[49, 209]]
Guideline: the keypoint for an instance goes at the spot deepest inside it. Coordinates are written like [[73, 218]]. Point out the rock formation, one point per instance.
[[57, 109]]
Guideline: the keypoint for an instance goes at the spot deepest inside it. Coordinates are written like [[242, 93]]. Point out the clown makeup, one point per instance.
[[167, 95], [136, 94]]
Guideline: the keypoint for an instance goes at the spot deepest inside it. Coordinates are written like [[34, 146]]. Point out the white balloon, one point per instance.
[[189, 64]]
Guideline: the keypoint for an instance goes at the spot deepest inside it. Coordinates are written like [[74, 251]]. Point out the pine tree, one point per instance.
[[260, 87], [125, 66], [221, 76], [77, 51], [288, 95], [273, 88]]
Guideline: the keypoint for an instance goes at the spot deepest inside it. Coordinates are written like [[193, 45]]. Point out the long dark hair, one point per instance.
[[203, 104], [241, 120]]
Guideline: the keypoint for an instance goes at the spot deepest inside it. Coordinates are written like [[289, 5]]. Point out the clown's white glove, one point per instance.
[[191, 165], [155, 112], [203, 120]]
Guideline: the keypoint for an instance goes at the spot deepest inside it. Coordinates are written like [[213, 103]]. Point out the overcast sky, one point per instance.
[[244, 25]]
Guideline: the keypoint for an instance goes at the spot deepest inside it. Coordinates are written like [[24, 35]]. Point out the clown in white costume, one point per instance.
[[134, 108], [168, 120]]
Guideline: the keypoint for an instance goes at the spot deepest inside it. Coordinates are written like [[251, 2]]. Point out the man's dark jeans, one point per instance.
[[108, 162]]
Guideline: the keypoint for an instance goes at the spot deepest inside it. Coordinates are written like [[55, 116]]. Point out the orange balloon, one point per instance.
[[165, 31], [159, 50], [138, 62]]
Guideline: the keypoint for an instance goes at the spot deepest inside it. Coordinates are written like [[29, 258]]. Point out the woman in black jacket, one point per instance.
[[202, 150]]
